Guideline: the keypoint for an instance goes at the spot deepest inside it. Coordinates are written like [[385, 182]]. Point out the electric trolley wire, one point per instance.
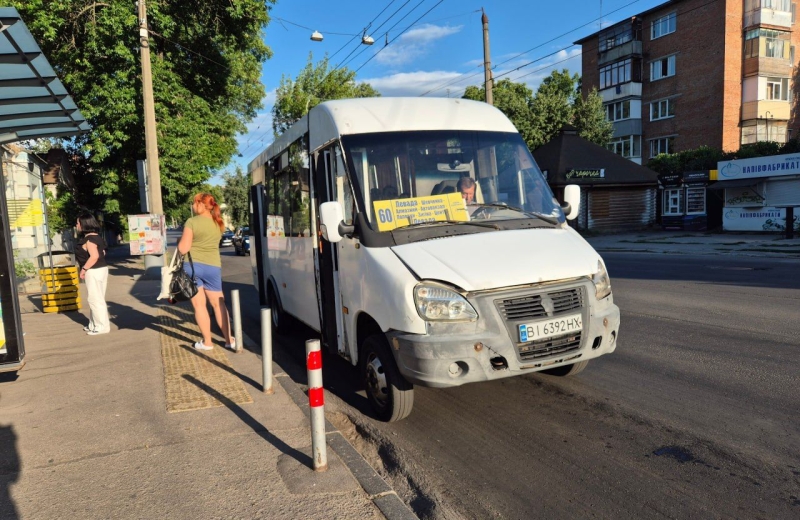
[[378, 28], [284, 20]]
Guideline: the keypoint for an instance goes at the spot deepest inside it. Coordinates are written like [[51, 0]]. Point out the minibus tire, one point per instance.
[[379, 369], [280, 320], [567, 370]]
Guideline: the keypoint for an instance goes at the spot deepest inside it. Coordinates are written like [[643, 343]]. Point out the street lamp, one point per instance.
[[316, 36]]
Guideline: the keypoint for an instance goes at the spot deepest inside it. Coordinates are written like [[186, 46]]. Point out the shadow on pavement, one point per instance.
[[250, 421], [9, 471]]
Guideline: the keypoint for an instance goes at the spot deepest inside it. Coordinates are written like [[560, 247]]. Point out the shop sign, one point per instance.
[[761, 219], [597, 173], [695, 178], [771, 166], [670, 179], [742, 198]]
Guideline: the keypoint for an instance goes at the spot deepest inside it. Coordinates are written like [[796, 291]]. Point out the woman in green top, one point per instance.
[[201, 235]]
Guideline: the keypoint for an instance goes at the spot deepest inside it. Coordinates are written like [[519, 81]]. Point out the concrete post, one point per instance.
[[266, 350], [237, 320]]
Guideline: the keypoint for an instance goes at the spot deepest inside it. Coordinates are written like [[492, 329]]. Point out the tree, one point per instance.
[[206, 64], [235, 191], [557, 102], [313, 85]]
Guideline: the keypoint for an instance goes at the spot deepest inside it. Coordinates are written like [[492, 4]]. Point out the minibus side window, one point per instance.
[[344, 194]]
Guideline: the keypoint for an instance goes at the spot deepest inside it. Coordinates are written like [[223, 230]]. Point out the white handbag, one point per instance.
[[166, 276]]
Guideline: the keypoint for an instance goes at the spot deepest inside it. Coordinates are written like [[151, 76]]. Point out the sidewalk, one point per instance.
[[137, 424], [698, 243]]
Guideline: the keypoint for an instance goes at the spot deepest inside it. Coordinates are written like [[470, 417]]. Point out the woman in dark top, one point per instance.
[[91, 257]]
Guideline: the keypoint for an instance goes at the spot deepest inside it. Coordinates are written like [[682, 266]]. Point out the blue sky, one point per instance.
[[439, 55]]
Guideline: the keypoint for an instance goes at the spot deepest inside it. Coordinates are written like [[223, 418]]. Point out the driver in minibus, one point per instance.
[[466, 186]]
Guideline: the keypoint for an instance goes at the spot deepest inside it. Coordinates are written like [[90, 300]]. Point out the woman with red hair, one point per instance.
[[201, 235]]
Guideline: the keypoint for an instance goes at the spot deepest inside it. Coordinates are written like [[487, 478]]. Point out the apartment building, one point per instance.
[[688, 73]]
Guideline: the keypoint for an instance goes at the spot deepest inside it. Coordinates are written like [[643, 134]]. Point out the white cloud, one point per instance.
[[420, 82], [413, 44]]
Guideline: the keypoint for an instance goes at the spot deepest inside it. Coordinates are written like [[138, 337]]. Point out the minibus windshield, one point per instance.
[[417, 178]]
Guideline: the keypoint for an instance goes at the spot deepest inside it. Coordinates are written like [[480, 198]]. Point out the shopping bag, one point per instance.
[[166, 276], [183, 286]]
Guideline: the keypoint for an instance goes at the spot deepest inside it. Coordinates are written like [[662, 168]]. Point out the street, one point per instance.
[[694, 415]]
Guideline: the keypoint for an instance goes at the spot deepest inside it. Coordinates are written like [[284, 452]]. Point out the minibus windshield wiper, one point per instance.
[[458, 222], [541, 216]]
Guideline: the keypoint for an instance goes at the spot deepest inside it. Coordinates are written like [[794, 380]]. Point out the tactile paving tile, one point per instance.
[[192, 376]]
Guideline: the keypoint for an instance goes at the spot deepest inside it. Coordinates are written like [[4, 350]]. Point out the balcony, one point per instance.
[[627, 127], [777, 110], [766, 16], [623, 90], [781, 67], [632, 48]]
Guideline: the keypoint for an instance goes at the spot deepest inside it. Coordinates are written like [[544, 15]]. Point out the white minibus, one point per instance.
[[420, 239]]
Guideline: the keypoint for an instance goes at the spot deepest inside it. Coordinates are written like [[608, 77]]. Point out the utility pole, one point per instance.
[[487, 62], [152, 263], [150, 138]]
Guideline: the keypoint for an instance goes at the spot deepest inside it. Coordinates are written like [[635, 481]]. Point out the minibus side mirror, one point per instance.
[[331, 218], [572, 201]]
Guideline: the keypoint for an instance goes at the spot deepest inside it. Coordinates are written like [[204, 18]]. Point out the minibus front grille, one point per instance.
[[535, 306], [549, 347]]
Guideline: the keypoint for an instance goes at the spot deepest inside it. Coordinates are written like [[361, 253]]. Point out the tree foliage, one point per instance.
[[314, 84], [206, 61], [236, 190], [557, 102]]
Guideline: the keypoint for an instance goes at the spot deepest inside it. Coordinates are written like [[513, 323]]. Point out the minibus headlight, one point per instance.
[[602, 283], [437, 303]]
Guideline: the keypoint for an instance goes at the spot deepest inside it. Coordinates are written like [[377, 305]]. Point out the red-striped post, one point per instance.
[[316, 400]]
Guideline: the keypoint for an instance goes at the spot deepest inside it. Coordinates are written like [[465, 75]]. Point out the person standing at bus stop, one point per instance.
[[201, 235], [90, 254]]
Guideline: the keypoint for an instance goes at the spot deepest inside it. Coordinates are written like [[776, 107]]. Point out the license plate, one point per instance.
[[550, 328]]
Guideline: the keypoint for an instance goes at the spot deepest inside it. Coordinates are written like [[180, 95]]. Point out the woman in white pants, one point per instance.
[[91, 257]]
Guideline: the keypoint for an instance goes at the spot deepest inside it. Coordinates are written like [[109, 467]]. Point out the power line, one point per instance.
[[309, 28], [378, 28]]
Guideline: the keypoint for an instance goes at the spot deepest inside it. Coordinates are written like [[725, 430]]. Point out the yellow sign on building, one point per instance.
[[395, 213]]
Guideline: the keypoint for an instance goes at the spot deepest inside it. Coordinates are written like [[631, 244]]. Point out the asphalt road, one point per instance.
[[696, 415]]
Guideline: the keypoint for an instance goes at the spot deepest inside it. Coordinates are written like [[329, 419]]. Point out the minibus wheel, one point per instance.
[[279, 318], [567, 370], [390, 395]]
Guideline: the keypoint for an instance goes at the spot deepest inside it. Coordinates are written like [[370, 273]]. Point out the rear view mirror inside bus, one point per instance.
[[330, 216]]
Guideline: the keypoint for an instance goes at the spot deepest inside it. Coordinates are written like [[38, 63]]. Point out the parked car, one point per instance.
[[227, 239], [241, 241]]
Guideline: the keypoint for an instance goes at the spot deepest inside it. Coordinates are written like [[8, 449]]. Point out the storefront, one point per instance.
[[616, 194], [35, 105], [760, 194], [683, 200]]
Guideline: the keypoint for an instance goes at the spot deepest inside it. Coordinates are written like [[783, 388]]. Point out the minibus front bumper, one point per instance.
[[452, 354]]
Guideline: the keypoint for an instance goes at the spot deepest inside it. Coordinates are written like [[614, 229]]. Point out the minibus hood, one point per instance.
[[501, 259]]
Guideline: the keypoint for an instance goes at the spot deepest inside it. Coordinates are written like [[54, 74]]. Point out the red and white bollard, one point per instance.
[[316, 400]]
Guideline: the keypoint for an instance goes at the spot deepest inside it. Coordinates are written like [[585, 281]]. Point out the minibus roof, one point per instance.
[[401, 114]]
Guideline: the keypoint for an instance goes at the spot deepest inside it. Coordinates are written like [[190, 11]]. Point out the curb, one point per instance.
[[378, 491]]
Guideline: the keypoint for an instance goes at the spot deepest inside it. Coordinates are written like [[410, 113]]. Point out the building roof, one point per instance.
[[33, 102], [571, 159], [639, 15]]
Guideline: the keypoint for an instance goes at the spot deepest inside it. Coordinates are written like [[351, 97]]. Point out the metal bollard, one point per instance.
[[237, 320], [316, 400], [266, 350]]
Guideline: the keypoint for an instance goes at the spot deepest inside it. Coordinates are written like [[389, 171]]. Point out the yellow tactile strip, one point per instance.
[[190, 374]]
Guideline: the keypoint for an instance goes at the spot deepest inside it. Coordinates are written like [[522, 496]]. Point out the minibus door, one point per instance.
[[333, 305]]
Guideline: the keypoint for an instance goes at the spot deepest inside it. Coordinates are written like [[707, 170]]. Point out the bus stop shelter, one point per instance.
[[33, 104]]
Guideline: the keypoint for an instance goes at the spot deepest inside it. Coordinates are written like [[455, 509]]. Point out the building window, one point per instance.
[[757, 130], [777, 5], [662, 145], [673, 201], [695, 201], [616, 73], [618, 111], [662, 109], [663, 26], [778, 89], [766, 43], [629, 146], [620, 35], [663, 68]]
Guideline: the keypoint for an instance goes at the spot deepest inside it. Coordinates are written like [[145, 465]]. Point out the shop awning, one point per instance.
[[33, 102], [734, 183]]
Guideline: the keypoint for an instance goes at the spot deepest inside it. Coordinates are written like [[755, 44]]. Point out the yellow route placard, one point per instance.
[[394, 213]]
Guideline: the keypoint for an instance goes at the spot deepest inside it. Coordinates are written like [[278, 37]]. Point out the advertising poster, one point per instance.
[[276, 234], [147, 234], [754, 219]]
